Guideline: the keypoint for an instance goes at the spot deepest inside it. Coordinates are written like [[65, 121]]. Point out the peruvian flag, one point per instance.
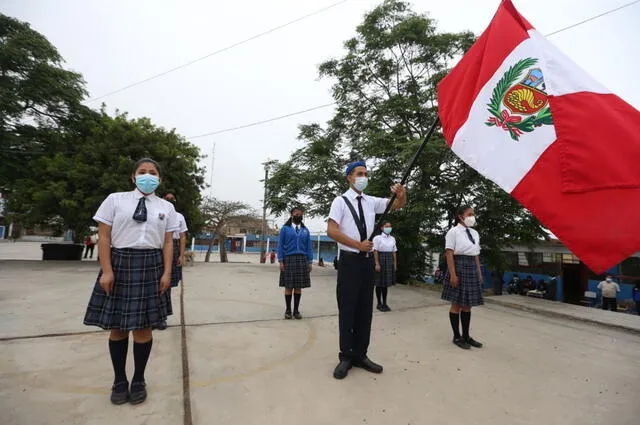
[[525, 116]]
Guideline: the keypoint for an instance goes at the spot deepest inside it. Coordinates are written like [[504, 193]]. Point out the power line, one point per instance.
[[224, 49], [593, 18], [226, 130]]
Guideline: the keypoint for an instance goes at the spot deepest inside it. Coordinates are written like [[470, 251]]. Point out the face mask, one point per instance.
[[296, 219], [387, 230], [147, 183], [173, 201], [608, 279], [470, 221], [361, 183]]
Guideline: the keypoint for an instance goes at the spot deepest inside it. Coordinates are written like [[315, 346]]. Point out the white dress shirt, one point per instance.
[[182, 226], [341, 214], [458, 240], [384, 243], [117, 211]]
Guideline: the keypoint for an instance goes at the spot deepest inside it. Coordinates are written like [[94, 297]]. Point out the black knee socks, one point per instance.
[[455, 324], [287, 302], [384, 295], [296, 302], [141, 352], [465, 318], [379, 295], [118, 351]]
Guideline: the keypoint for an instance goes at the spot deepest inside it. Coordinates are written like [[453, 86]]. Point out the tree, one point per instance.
[[36, 95], [94, 156], [385, 91], [217, 214]]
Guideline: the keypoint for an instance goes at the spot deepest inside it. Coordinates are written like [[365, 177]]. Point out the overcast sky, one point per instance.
[[118, 42]]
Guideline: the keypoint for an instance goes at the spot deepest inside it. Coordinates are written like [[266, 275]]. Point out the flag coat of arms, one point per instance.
[[525, 116]]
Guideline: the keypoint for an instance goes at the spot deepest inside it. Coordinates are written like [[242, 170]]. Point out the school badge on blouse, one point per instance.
[[161, 216]]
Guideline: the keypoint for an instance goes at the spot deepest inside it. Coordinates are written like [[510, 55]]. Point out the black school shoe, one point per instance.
[[460, 342], [138, 392], [472, 342], [287, 315], [120, 393]]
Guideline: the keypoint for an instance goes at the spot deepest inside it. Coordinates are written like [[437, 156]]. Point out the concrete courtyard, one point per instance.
[[245, 365]]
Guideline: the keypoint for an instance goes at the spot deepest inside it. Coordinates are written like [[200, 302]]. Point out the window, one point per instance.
[[630, 268]]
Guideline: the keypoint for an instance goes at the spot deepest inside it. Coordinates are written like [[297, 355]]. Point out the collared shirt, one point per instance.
[[182, 226], [341, 214], [117, 211], [609, 289], [458, 240], [291, 242], [384, 243]]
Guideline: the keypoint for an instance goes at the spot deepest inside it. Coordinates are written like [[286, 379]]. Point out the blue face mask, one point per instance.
[[387, 230], [147, 183], [361, 183]]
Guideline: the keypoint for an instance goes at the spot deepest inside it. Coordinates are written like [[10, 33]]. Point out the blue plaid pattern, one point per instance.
[[176, 270], [296, 272], [135, 301], [468, 293], [387, 275]]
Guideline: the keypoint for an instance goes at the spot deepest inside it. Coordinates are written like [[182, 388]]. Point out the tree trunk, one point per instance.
[[208, 256], [222, 245]]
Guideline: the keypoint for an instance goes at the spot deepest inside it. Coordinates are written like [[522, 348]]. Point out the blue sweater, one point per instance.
[[290, 242]]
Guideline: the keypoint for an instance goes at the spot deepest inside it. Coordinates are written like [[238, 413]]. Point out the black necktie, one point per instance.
[[140, 215], [363, 224], [297, 229], [473, 241]]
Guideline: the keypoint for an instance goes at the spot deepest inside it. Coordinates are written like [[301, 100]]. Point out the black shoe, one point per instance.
[[386, 308], [461, 343], [366, 364], [297, 315], [472, 342], [138, 392], [342, 369], [379, 307], [120, 393], [287, 315]]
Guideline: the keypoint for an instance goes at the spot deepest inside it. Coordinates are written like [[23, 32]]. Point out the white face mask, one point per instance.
[[470, 221], [361, 183], [608, 279]]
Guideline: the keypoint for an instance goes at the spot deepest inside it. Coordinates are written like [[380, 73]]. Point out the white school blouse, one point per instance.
[[117, 211], [182, 226], [384, 243], [458, 241]]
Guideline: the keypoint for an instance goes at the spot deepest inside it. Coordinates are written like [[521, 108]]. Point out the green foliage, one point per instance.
[[385, 87], [95, 156]]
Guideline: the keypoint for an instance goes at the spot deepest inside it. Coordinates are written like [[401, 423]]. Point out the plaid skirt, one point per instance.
[[296, 272], [387, 275], [468, 293], [176, 270], [135, 301]]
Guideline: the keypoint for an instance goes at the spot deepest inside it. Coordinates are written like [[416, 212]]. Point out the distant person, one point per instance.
[[463, 277], [636, 296], [295, 254], [130, 293], [273, 256], [609, 290], [89, 246], [179, 250], [386, 264]]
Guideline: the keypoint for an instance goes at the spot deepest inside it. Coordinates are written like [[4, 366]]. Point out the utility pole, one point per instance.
[[213, 159], [264, 215]]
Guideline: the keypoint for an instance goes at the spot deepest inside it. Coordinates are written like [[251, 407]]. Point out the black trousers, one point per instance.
[[355, 304], [88, 250], [609, 304]]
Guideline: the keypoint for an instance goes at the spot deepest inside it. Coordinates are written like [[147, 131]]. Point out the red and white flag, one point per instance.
[[524, 115]]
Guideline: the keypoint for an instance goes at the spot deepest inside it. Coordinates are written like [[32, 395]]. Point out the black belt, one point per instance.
[[356, 254]]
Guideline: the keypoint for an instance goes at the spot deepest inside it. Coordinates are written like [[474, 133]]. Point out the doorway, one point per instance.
[[574, 279]]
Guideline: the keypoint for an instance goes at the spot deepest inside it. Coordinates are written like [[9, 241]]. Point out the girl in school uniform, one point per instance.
[[463, 276], [295, 255], [384, 254], [130, 293]]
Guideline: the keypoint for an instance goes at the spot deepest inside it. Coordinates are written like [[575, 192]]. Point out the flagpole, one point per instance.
[[407, 172]]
